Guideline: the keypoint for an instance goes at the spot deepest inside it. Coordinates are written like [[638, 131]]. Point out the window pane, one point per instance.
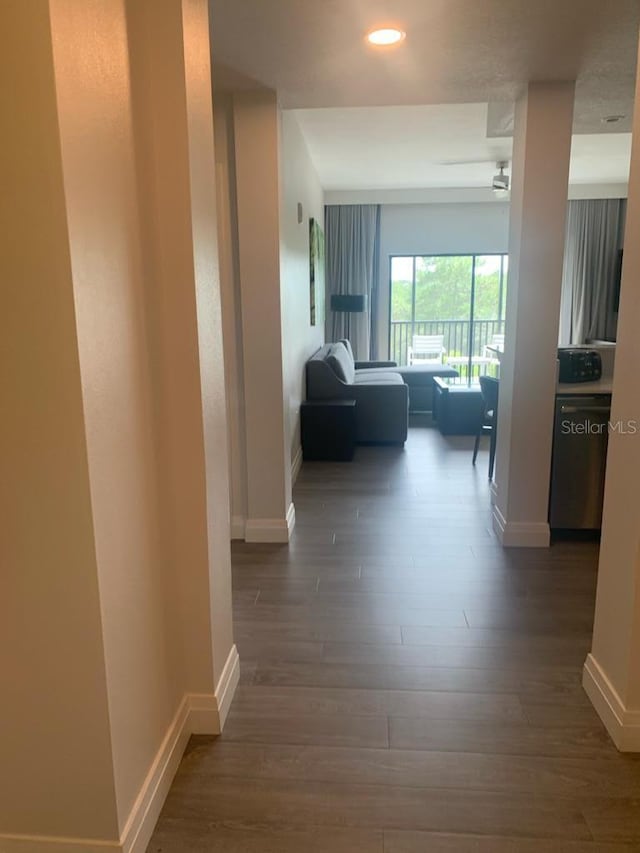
[[443, 288], [401, 289], [505, 279], [486, 308], [443, 300], [436, 291], [487, 290]]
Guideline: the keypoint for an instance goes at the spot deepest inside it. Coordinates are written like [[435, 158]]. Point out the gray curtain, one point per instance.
[[591, 255], [352, 240]]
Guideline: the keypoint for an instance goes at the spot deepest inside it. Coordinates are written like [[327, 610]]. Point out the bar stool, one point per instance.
[[489, 422]]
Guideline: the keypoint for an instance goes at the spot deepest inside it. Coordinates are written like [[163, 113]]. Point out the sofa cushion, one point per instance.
[[342, 365], [416, 374], [373, 377], [346, 343]]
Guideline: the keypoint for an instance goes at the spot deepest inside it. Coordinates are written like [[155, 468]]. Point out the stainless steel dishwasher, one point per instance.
[[580, 439]]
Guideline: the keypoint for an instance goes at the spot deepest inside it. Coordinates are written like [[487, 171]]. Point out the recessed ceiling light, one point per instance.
[[385, 37]]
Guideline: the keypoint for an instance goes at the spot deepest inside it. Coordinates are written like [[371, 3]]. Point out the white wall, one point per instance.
[[56, 769], [151, 364], [277, 339], [612, 670], [299, 184], [256, 148], [214, 574], [114, 492], [438, 229], [538, 213], [231, 313], [100, 175]]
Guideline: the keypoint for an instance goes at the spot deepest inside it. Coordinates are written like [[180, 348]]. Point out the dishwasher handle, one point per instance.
[[574, 410]]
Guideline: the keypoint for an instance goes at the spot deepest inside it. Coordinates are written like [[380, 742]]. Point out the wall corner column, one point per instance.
[[612, 670], [270, 511], [542, 148]]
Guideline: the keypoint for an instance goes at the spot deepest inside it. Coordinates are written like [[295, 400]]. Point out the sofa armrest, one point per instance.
[[368, 365]]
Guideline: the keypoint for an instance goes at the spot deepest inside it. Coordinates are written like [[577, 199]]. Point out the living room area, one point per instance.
[[436, 298], [405, 257], [436, 321]]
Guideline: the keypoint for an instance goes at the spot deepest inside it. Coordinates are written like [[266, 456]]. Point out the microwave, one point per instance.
[[579, 365]]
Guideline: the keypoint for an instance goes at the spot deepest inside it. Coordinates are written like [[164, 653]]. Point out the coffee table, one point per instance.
[[457, 406]]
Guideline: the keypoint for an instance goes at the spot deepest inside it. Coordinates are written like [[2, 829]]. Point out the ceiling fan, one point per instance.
[[500, 181]]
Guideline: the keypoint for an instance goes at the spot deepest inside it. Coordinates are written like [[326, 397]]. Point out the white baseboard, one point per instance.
[[499, 524], [271, 529], [226, 687], [520, 534], [146, 809], [266, 530], [46, 844], [493, 492], [203, 714], [208, 712], [623, 725], [197, 714], [238, 525], [296, 465], [291, 519]]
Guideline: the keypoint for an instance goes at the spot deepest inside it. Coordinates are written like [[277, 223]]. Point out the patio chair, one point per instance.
[[497, 343], [428, 348]]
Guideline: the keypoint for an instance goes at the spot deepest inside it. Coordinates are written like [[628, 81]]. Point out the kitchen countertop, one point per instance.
[[602, 386]]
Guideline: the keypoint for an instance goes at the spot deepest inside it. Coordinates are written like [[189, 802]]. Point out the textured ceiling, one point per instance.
[[588, 115], [456, 51]]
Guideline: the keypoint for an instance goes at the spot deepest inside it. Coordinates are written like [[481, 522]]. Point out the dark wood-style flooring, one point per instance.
[[407, 685]]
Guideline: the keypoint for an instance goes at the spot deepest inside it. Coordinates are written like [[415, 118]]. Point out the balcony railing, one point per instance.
[[457, 337]]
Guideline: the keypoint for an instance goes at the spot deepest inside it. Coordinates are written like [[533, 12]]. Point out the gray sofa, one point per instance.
[[419, 378], [382, 414]]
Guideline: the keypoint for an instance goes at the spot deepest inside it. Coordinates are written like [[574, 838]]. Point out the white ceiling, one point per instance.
[[456, 51], [408, 147]]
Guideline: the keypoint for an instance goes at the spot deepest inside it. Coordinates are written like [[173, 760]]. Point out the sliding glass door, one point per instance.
[[448, 308]]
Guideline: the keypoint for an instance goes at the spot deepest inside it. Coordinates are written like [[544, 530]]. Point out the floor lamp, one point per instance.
[[348, 303]]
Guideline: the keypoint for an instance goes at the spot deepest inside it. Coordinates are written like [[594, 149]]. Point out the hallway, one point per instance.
[[406, 684]]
